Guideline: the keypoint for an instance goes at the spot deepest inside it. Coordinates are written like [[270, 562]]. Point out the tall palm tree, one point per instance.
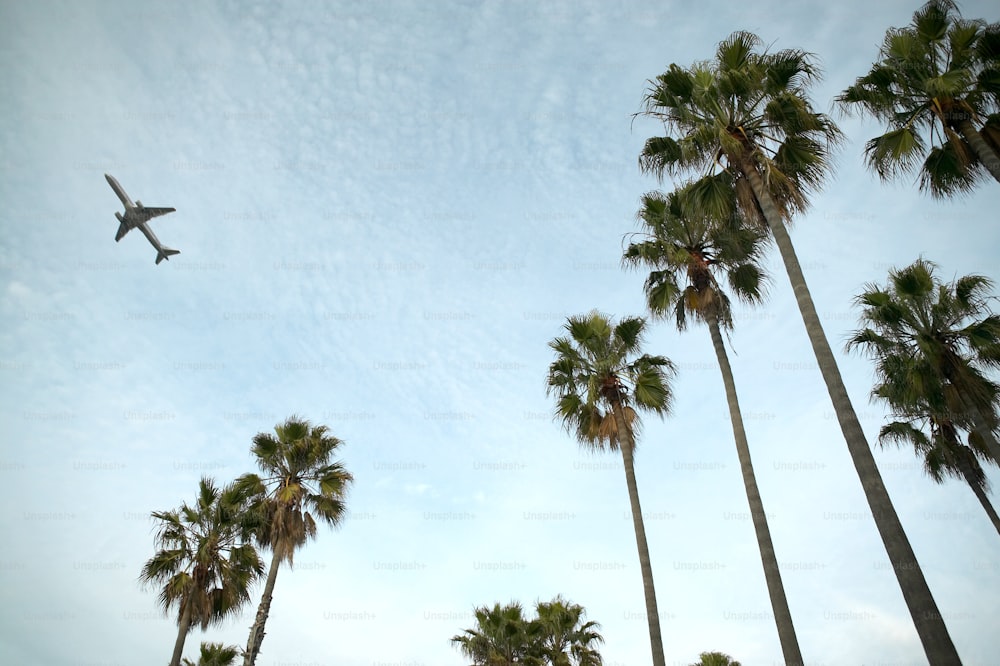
[[205, 560], [215, 654], [935, 83], [745, 120], [301, 482], [933, 344], [685, 245], [599, 379], [566, 638], [502, 637], [558, 636]]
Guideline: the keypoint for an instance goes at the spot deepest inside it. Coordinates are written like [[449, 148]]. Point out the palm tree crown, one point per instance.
[[683, 245], [502, 637], [935, 85], [566, 638], [744, 113], [215, 654], [933, 345], [715, 659], [597, 368], [300, 482]]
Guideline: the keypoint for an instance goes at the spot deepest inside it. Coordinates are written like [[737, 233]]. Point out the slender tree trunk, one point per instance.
[[775, 589], [987, 505], [980, 492], [627, 444], [934, 637], [987, 156], [257, 630], [183, 627]]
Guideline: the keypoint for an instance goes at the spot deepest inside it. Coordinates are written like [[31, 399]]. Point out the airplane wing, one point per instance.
[[156, 212], [122, 228], [119, 191]]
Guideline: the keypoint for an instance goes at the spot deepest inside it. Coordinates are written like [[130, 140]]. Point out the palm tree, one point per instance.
[[745, 120], [565, 637], [300, 480], [558, 636], [932, 344], [215, 654], [715, 659], [205, 561], [599, 380], [502, 637], [936, 83], [685, 245]]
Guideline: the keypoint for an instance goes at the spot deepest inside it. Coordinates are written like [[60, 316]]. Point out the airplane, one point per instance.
[[137, 215]]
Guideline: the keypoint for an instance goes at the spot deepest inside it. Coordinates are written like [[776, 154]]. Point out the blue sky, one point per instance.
[[385, 212]]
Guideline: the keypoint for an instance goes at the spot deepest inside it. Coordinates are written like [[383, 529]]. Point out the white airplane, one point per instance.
[[136, 215]]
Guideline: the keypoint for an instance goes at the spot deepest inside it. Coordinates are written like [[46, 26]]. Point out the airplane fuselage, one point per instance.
[[151, 237]]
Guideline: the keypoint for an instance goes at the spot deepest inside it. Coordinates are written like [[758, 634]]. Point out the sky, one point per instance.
[[385, 211]]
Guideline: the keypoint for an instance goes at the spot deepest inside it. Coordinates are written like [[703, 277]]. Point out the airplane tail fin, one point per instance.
[[122, 228], [165, 253]]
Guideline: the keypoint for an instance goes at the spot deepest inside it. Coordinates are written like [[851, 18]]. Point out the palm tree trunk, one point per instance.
[[987, 505], [987, 156], [183, 627], [775, 589], [933, 633], [627, 444], [257, 630], [980, 492]]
